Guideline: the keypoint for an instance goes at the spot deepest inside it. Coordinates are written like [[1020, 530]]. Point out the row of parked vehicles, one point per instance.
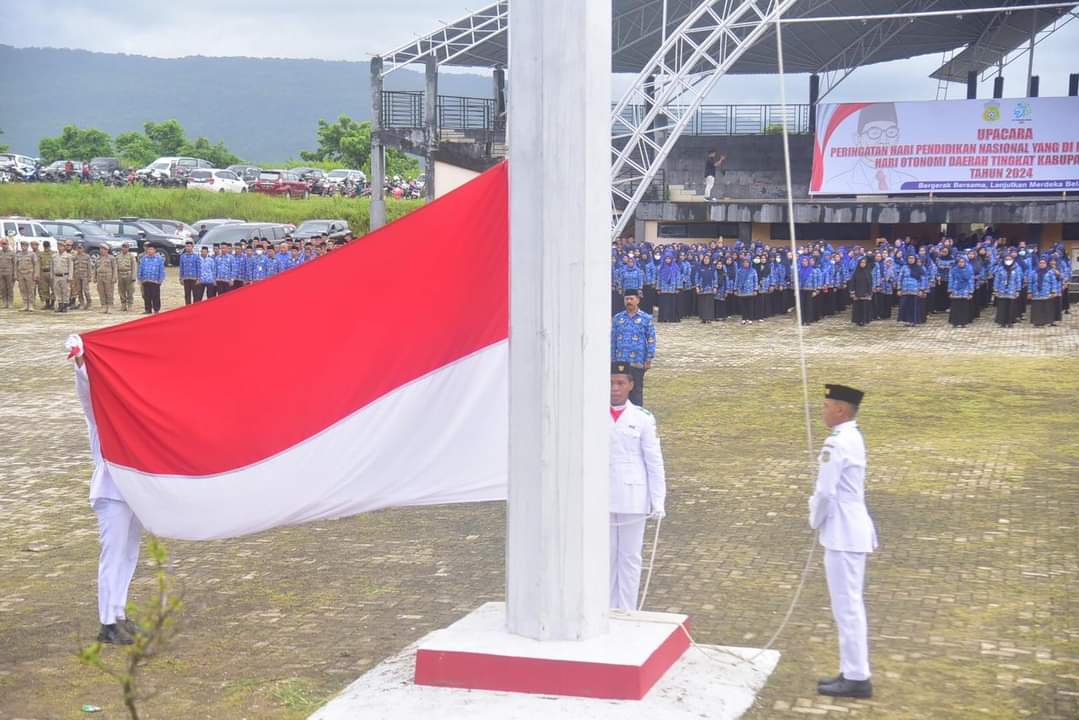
[[192, 173], [168, 236]]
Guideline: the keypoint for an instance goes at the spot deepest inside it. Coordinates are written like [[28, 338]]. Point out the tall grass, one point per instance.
[[74, 200]]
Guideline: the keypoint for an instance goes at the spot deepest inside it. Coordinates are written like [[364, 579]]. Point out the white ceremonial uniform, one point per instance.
[[837, 510], [638, 488], [119, 530]]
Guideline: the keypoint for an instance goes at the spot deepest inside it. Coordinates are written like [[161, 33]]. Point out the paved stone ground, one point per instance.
[[974, 484]]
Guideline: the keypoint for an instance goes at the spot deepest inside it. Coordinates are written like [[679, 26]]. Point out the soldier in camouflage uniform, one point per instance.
[[127, 267], [7, 270], [105, 276], [84, 272], [44, 283], [26, 272], [62, 270]]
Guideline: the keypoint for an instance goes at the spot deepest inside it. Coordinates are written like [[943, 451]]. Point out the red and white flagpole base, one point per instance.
[[477, 653], [642, 668]]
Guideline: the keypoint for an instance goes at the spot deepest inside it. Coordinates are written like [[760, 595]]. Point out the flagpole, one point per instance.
[[559, 137]]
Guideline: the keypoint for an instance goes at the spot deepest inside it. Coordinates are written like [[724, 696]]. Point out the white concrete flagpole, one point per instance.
[[559, 125]]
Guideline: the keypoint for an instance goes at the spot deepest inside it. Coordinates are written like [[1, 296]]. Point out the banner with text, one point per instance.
[[999, 145]]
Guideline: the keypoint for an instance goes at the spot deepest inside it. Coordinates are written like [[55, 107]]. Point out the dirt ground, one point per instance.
[[973, 440]]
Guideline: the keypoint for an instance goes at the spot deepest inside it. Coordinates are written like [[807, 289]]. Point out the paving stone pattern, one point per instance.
[[974, 485]]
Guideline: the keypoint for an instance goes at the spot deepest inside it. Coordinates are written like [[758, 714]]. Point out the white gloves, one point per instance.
[[657, 515]]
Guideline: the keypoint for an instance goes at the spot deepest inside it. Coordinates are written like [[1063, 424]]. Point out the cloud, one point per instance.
[[337, 30]]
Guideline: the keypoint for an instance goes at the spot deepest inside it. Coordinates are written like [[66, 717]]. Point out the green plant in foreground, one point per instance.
[[156, 625]]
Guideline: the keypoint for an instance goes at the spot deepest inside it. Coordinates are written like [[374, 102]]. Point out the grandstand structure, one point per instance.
[[661, 126]]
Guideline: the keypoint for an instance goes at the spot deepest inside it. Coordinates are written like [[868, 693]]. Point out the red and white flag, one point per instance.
[[375, 376]]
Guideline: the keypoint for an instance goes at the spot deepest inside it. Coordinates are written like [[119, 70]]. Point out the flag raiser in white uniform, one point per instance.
[[638, 489], [837, 510]]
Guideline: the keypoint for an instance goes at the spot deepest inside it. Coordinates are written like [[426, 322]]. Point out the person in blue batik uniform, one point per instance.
[[1007, 285], [960, 289], [745, 288], [151, 275], [706, 289], [1044, 291], [669, 283], [633, 341], [224, 269], [648, 265], [913, 282], [189, 271], [207, 284]]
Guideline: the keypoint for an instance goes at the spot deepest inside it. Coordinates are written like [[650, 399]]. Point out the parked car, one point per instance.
[[232, 233], [215, 181], [179, 227], [334, 229], [169, 244], [343, 175], [285, 183], [176, 166], [103, 166], [247, 173], [23, 227], [94, 238], [310, 174], [204, 226], [58, 169], [24, 164]]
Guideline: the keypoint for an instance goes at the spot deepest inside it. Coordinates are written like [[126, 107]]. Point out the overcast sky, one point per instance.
[[356, 29]]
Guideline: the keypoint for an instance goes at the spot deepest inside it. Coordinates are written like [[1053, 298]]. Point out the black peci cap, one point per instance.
[[844, 393], [631, 291], [620, 368]]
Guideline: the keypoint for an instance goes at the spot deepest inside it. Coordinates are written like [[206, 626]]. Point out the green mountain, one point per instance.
[[263, 109]]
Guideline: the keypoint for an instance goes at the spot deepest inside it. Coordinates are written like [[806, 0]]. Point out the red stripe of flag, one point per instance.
[[222, 384]]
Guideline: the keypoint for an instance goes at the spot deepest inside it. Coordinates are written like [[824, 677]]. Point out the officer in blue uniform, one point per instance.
[[633, 341]]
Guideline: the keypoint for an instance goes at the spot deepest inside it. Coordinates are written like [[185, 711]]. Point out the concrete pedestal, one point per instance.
[[643, 656]]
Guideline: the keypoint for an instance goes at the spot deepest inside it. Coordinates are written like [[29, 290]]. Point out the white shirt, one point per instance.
[[837, 508], [102, 486], [638, 481]]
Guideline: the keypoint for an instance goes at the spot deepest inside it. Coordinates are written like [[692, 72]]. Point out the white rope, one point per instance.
[[805, 403]]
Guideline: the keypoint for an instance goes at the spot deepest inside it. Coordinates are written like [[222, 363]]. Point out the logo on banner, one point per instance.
[[991, 112], [1022, 113]]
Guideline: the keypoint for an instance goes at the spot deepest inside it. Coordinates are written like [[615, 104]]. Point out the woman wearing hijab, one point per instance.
[[762, 302], [668, 285], [1007, 284], [745, 288], [913, 283], [961, 291], [941, 296], [706, 289], [861, 292], [1062, 292], [805, 289], [719, 301], [649, 265], [1043, 295], [685, 294]]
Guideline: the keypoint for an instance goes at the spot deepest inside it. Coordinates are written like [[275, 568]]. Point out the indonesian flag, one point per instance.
[[375, 376]]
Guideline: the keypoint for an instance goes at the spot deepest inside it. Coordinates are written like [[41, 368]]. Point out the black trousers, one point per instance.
[[151, 296], [223, 287], [636, 395], [190, 286]]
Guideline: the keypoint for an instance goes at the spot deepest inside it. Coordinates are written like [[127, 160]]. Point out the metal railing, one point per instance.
[[403, 109], [735, 119]]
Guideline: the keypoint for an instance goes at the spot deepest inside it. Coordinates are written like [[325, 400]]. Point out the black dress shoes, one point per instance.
[[114, 635], [847, 688], [830, 680]]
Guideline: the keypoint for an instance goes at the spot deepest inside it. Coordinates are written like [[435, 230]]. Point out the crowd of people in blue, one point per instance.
[[230, 266], [754, 282]]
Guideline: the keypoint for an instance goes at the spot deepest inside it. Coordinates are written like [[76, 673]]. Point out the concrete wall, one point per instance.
[[753, 168]]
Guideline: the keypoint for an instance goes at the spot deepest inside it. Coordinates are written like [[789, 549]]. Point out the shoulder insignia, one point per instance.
[[646, 412]]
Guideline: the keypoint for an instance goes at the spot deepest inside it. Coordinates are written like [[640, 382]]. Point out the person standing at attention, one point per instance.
[[838, 513], [638, 486]]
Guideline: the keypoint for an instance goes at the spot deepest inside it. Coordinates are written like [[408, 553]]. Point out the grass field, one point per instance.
[[973, 484], [74, 200]]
